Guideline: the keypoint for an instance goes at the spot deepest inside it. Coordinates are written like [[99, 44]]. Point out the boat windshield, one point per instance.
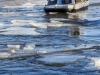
[[66, 1], [52, 2]]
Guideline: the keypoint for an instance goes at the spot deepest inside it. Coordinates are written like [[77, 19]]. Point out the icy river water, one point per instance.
[[35, 43]]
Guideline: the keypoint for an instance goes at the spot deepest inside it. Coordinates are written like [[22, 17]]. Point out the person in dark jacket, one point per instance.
[[66, 1]]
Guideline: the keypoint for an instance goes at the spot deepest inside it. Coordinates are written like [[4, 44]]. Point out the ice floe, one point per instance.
[[26, 5], [29, 47], [60, 58], [96, 62], [20, 31], [4, 54]]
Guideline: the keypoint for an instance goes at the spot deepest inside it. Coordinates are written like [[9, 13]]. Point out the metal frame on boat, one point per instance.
[[65, 5]]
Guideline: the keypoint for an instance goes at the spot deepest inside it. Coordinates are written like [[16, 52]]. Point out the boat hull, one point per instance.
[[66, 8], [56, 10]]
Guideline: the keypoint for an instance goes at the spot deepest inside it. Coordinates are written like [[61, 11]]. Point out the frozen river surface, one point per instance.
[[35, 43]]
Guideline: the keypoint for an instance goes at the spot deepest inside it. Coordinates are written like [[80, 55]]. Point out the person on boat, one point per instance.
[[66, 1], [52, 2], [76, 1]]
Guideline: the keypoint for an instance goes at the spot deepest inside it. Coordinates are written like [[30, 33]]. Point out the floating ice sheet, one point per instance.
[[61, 58], [26, 5]]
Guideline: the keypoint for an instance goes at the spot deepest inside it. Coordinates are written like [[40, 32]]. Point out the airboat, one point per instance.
[[65, 5]]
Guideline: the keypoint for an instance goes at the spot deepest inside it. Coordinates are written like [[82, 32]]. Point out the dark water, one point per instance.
[[35, 43]]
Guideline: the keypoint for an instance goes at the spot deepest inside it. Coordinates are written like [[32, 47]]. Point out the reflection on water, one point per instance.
[[80, 15], [65, 23]]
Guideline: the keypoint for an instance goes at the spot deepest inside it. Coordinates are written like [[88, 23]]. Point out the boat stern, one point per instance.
[[58, 8]]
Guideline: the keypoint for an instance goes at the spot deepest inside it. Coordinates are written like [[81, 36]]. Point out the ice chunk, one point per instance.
[[61, 58], [13, 46], [41, 51], [29, 47], [96, 62], [4, 54], [28, 5], [20, 31]]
